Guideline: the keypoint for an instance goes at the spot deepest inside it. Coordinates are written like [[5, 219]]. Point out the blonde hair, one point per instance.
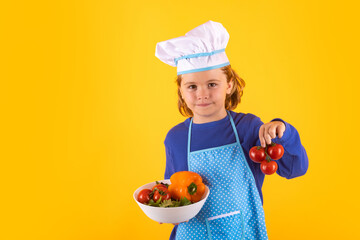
[[232, 99]]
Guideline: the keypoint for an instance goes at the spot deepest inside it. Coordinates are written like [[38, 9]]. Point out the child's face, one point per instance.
[[204, 93]]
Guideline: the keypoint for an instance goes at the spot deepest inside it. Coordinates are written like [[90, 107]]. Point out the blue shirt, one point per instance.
[[294, 162]]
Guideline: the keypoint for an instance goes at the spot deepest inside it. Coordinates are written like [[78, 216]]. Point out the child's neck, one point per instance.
[[198, 119]]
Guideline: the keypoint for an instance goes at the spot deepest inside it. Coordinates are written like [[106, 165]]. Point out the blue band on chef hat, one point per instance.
[[204, 69], [198, 55]]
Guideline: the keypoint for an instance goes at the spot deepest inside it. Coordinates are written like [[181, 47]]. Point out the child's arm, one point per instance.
[[294, 163], [169, 168]]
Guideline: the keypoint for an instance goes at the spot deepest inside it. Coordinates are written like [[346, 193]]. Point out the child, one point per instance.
[[215, 141]]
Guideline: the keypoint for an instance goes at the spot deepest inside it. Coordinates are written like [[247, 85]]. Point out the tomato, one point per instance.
[[159, 185], [257, 154], [268, 167], [162, 192], [144, 196], [275, 151]]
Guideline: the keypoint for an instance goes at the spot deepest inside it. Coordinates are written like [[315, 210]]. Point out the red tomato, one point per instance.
[[268, 167], [162, 192], [275, 151], [159, 185], [144, 196], [257, 154]]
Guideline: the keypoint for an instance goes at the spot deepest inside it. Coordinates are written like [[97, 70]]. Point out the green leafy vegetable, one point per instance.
[[155, 204], [167, 185], [184, 201], [166, 203], [170, 203]]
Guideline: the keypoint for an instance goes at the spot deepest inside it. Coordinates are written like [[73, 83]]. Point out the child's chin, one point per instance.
[[205, 113]]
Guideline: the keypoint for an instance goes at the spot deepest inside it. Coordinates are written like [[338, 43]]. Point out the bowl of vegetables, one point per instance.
[[173, 200]]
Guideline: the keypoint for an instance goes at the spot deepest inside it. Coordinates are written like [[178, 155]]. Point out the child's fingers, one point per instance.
[[280, 130], [261, 136], [269, 131], [266, 136], [272, 131]]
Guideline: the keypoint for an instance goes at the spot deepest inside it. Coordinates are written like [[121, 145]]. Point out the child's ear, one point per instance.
[[229, 86]]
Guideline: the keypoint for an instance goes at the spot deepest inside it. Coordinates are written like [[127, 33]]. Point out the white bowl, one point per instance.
[[173, 214]]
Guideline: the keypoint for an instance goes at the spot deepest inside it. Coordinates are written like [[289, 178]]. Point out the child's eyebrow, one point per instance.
[[188, 83]]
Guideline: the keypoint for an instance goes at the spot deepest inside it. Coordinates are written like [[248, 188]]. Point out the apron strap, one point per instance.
[[234, 128], [189, 137]]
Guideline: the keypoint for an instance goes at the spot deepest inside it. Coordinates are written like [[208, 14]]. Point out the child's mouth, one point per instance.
[[203, 104]]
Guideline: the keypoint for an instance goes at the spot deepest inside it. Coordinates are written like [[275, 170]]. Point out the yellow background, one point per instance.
[[86, 105]]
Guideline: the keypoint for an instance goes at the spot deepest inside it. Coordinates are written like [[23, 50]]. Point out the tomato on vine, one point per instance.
[[275, 151], [268, 167], [265, 157], [257, 154]]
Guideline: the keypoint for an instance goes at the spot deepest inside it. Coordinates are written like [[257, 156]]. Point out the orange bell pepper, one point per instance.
[[186, 184]]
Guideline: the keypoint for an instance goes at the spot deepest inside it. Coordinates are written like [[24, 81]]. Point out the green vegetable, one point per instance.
[[184, 201], [170, 203], [155, 204], [167, 185], [166, 203]]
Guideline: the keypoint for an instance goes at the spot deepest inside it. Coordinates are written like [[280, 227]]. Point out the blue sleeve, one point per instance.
[[294, 162], [169, 168]]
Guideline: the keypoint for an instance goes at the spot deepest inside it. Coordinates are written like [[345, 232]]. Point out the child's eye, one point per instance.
[[192, 87], [212, 84]]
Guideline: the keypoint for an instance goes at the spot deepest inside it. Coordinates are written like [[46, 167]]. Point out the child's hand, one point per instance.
[[269, 131]]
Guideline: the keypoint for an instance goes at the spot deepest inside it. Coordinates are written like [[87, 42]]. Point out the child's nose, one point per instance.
[[203, 94]]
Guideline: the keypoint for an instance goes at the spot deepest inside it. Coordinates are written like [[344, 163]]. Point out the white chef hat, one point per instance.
[[201, 49]]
